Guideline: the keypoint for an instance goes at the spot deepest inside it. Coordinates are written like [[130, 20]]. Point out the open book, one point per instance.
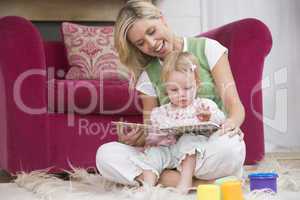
[[201, 128]]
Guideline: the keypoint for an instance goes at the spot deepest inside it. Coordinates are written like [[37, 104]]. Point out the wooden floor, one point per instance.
[[289, 160]]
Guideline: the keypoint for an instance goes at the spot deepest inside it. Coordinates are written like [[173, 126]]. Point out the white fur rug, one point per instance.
[[86, 186]]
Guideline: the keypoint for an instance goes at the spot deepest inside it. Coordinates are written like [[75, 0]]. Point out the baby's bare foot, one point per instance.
[[184, 188]]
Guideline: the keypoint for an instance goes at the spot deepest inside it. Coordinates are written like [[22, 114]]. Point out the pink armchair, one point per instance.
[[36, 132]]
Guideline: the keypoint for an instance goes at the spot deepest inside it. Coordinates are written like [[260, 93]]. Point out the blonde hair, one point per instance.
[[129, 55], [180, 61]]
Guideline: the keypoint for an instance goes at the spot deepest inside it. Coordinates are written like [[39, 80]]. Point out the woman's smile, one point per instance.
[[151, 37], [161, 49]]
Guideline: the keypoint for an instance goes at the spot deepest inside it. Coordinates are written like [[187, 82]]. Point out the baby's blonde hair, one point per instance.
[[184, 62], [129, 55]]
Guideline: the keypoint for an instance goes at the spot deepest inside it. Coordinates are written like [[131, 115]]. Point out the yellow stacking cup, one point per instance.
[[232, 190], [208, 192]]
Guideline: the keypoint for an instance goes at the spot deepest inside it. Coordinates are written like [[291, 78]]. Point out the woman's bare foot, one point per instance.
[[150, 177], [147, 177], [171, 178]]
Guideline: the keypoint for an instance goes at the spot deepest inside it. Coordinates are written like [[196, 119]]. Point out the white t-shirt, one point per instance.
[[213, 51]]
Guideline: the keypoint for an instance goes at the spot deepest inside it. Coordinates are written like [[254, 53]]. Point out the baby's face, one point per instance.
[[181, 88]]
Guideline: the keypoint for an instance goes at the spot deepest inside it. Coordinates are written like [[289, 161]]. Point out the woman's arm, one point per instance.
[[149, 103], [226, 88], [138, 138]]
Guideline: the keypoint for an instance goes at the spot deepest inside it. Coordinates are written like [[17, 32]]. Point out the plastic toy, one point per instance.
[[208, 192], [263, 181], [232, 190]]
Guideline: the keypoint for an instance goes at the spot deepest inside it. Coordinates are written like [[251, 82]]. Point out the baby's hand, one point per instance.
[[158, 138], [203, 113]]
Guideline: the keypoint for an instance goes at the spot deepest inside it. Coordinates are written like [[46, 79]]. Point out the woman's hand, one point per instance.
[[133, 137], [229, 127]]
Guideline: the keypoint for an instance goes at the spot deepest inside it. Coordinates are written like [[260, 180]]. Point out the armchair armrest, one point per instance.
[[23, 95], [249, 41]]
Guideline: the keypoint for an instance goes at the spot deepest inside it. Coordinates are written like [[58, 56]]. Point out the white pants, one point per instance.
[[220, 156]]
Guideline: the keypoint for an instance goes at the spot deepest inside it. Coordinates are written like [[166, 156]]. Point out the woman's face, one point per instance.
[[152, 37], [181, 88]]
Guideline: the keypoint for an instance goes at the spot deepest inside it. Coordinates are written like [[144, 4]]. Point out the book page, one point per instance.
[[201, 128]]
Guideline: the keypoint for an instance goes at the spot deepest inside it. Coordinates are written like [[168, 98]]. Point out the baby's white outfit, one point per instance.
[[159, 158], [216, 157], [169, 116]]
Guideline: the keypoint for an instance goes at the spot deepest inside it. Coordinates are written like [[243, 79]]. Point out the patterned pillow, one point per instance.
[[91, 53]]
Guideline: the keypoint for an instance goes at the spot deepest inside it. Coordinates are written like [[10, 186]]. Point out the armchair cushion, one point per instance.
[[91, 53]]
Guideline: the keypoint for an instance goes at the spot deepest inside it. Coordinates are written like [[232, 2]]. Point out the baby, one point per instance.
[[180, 77]]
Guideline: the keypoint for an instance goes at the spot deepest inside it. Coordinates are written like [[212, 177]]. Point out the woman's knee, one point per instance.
[[222, 158], [108, 153], [227, 151], [105, 149], [113, 163], [235, 158], [231, 148]]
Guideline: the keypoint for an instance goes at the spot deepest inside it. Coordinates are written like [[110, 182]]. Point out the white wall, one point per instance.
[[282, 67], [182, 15]]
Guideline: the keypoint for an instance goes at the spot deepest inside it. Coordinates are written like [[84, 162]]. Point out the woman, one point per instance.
[[143, 39]]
